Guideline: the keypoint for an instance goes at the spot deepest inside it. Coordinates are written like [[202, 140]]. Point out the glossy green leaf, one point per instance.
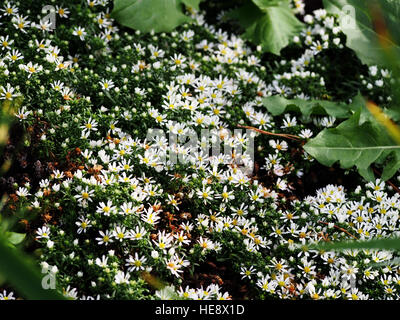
[[264, 5], [246, 14], [353, 144], [272, 26], [147, 15], [393, 114], [15, 238], [361, 36], [392, 167], [278, 105]]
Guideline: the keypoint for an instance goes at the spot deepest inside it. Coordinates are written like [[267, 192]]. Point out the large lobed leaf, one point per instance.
[[274, 29], [269, 23], [156, 15], [356, 143], [277, 105], [360, 32]]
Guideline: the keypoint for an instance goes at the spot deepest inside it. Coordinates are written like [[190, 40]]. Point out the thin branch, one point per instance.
[[282, 135], [388, 181], [341, 229]]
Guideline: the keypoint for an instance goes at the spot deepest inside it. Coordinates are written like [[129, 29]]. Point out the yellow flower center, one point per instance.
[[315, 296]]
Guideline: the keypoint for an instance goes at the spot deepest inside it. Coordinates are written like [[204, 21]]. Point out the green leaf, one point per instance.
[[246, 14], [367, 173], [392, 167], [393, 114], [15, 238], [278, 105], [264, 5], [192, 4], [169, 293], [353, 144], [147, 15], [22, 273], [391, 10], [272, 27], [384, 244], [361, 36]]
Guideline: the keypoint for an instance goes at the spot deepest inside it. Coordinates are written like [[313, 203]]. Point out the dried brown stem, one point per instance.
[[282, 135], [341, 229]]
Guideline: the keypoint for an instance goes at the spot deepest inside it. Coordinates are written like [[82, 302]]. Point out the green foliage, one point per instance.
[[270, 24], [356, 143], [69, 242], [361, 141], [192, 3], [21, 272], [391, 167], [15, 238], [278, 105], [157, 15], [384, 244], [361, 34], [168, 293], [15, 266], [7, 108]]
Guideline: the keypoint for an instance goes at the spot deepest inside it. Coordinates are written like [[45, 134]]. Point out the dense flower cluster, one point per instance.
[[132, 201]]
